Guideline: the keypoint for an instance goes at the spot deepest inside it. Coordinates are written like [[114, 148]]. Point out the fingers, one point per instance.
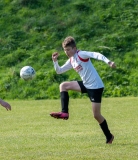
[[112, 64], [55, 56], [8, 107], [5, 105]]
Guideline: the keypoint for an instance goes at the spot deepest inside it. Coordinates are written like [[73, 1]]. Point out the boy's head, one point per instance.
[[69, 46], [69, 42]]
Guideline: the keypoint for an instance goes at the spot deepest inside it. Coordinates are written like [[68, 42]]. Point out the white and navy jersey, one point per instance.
[[82, 64]]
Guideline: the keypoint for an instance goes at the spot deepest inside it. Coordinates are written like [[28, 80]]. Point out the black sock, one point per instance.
[[64, 101], [106, 131]]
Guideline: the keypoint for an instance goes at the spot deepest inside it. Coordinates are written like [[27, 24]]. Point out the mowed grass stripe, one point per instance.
[[29, 133]]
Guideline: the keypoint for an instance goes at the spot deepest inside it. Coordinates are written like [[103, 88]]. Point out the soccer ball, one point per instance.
[[27, 73]]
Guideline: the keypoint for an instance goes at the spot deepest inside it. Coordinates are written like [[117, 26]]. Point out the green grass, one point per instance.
[[31, 30], [29, 133]]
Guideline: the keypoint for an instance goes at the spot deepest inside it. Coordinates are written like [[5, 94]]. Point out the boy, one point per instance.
[[5, 104], [91, 82]]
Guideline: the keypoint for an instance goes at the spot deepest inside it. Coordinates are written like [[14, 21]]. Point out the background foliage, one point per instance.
[[31, 30]]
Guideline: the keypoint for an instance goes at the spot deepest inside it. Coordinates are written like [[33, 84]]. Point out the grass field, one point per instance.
[[29, 133]]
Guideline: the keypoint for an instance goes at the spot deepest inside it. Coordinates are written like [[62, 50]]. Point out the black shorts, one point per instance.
[[95, 95]]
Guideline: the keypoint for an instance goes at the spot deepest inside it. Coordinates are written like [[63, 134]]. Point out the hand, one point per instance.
[[55, 56], [112, 64], [5, 104]]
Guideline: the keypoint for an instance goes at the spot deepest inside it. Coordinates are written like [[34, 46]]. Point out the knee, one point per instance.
[[63, 86], [96, 116]]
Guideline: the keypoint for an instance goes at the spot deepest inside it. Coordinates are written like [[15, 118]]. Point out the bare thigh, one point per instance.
[[70, 85]]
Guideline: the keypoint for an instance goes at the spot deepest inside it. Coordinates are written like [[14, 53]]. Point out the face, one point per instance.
[[70, 51]]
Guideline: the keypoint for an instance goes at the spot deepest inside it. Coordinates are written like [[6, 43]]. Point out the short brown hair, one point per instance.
[[69, 42]]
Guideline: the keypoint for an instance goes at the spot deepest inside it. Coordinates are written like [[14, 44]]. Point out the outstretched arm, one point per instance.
[[5, 104], [97, 56]]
